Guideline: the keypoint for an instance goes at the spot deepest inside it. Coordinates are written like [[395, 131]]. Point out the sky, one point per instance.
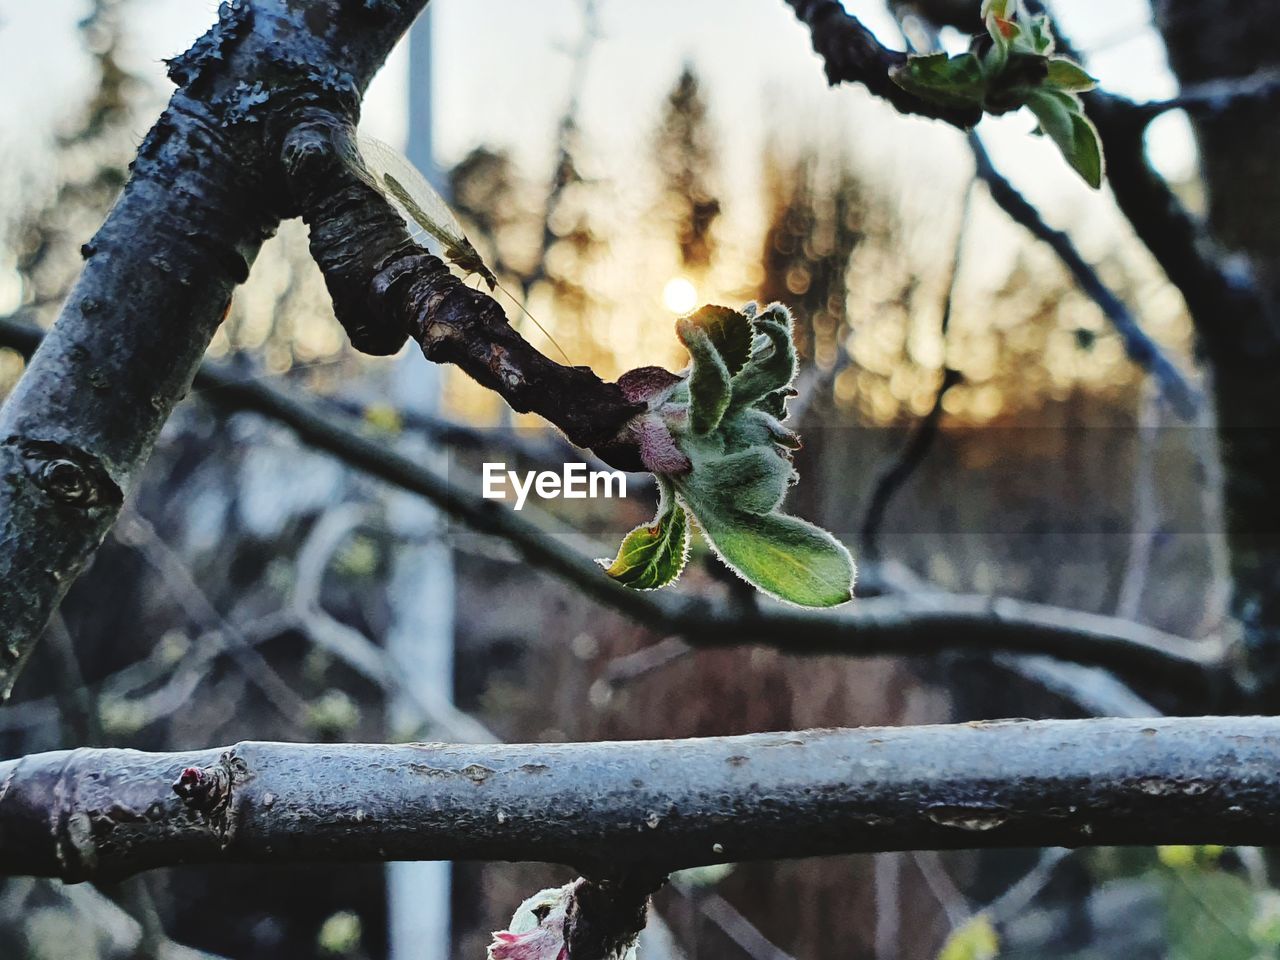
[[502, 66], [501, 73]]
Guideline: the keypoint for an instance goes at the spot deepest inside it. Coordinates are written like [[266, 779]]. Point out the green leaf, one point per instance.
[[949, 81], [1209, 916], [773, 364], [709, 392], [1068, 75], [729, 332], [1062, 119], [653, 554], [750, 481], [785, 557]]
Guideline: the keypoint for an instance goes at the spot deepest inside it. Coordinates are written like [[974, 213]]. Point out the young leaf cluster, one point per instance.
[[1013, 65], [715, 441]]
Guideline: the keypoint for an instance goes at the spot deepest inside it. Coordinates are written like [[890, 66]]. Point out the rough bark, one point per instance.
[[851, 54], [648, 806], [385, 288], [157, 281], [1239, 141], [258, 130]]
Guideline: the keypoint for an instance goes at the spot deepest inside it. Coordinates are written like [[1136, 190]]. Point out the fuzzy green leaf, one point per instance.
[[653, 554], [949, 81], [775, 403], [750, 481], [1068, 75], [785, 557], [729, 332], [772, 365], [1062, 119], [708, 380]]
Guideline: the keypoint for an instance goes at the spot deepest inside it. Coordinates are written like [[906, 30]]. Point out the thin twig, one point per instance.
[[1139, 346], [134, 531], [917, 448], [1216, 96]]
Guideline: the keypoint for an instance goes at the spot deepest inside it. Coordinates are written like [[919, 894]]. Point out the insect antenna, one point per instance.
[[545, 332]]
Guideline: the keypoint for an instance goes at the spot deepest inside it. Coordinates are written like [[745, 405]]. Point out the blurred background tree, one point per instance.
[[250, 576]]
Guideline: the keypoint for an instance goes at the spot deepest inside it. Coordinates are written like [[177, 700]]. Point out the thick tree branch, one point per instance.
[[385, 288], [157, 281], [843, 41], [852, 54], [204, 194], [649, 806]]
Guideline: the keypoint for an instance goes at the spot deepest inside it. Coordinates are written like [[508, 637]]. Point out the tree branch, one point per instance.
[[385, 287], [906, 625], [647, 806], [157, 281], [852, 54], [843, 42], [1139, 346], [1214, 97], [251, 115], [913, 453]]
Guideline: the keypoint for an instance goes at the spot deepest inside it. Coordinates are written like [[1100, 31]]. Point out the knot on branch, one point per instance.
[[207, 790], [355, 233], [66, 475], [385, 288]]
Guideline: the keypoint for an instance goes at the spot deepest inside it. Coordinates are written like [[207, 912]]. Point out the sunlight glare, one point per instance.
[[679, 295]]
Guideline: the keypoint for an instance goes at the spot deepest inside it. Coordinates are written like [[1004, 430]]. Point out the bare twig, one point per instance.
[[887, 873], [917, 448], [1146, 512], [134, 531], [203, 196], [1093, 690], [944, 889], [1216, 96], [730, 921]]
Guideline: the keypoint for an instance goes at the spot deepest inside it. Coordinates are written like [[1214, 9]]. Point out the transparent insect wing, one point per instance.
[[426, 213], [421, 205]]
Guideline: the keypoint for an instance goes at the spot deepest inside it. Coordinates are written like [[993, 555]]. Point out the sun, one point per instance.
[[679, 295]]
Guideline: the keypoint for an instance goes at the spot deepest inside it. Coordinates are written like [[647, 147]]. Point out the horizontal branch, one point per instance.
[[906, 625], [1214, 97], [1223, 298], [655, 805]]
